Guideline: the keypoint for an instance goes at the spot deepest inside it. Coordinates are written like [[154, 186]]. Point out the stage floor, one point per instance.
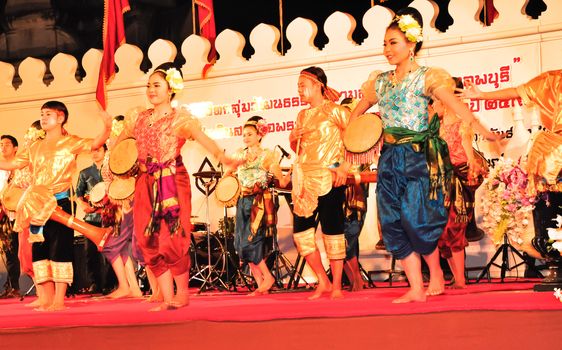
[[482, 310]]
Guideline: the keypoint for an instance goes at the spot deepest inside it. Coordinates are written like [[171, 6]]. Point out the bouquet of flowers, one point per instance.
[[506, 204]]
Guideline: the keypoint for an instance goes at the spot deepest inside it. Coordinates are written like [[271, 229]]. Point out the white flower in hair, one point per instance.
[[407, 20], [174, 79], [410, 27]]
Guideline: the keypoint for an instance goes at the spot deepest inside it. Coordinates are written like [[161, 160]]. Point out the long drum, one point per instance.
[[98, 195], [121, 189], [360, 138], [123, 159]]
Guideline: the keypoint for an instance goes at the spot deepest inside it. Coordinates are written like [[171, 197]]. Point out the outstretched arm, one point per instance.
[[460, 109], [6, 165], [361, 108], [211, 146], [472, 91]]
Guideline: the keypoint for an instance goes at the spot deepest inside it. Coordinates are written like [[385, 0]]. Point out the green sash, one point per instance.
[[436, 153]]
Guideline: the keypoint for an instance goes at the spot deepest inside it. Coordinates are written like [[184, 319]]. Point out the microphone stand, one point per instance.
[[280, 262]]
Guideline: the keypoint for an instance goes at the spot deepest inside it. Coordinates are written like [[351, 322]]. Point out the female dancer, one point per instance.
[[410, 186], [162, 203], [466, 171], [317, 140], [255, 209], [120, 216]]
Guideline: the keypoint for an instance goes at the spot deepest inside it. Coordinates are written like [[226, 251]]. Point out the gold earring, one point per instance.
[[411, 55]]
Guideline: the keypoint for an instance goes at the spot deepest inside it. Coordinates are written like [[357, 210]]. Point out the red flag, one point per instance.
[[113, 37], [488, 13], [207, 29]]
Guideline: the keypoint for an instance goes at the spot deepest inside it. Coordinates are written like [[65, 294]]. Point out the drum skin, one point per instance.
[[123, 159], [227, 191]]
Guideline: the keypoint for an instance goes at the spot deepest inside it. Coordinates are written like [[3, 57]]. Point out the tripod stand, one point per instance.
[[281, 266], [211, 278], [504, 250]]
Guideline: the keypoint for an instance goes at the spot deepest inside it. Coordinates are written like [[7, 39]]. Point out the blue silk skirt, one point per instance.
[[250, 251], [410, 221]]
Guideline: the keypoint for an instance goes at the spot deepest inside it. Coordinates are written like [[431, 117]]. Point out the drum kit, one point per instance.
[[212, 253]]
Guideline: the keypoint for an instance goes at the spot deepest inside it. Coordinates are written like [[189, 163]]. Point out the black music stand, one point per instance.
[[211, 278]]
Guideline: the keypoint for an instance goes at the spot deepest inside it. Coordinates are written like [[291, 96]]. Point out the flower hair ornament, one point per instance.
[[34, 134], [260, 125], [174, 79], [410, 27], [330, 93]]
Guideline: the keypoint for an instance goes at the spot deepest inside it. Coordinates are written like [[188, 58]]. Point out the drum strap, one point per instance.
[[436, 153]]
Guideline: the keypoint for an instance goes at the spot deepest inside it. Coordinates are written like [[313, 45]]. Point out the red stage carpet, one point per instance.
[[482, 314]]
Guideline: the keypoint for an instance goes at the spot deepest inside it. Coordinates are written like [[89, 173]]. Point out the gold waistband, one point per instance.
[[249, 191], [390, 139]]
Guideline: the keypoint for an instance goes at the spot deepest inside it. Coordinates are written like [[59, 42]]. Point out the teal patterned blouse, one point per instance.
[[255, 171], [405, 104]]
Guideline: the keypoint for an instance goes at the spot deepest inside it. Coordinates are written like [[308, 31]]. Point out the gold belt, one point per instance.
[[390, 139], [247, 191]]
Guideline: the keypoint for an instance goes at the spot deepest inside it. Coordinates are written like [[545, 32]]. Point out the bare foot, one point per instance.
[[336, 294], [255, 293], [119, 293], [411, 296], [266, 284], [436, 286], [181, 299], [136, 293], [458, 286], [155, 298], [164, 307], [41, 308], [35, 303], [358, 284], [57, 307], [321, 288]]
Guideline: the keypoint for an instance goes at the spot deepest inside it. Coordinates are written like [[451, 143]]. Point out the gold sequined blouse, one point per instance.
[[51, 172], [321, 147], [545, 156]]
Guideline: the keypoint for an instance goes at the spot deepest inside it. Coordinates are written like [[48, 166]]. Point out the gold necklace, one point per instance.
[[395, 81], [152, 119], [253, 155]]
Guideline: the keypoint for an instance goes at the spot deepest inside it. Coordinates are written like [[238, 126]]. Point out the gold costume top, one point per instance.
[[544, 160], [321, 147], [51, 172]]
